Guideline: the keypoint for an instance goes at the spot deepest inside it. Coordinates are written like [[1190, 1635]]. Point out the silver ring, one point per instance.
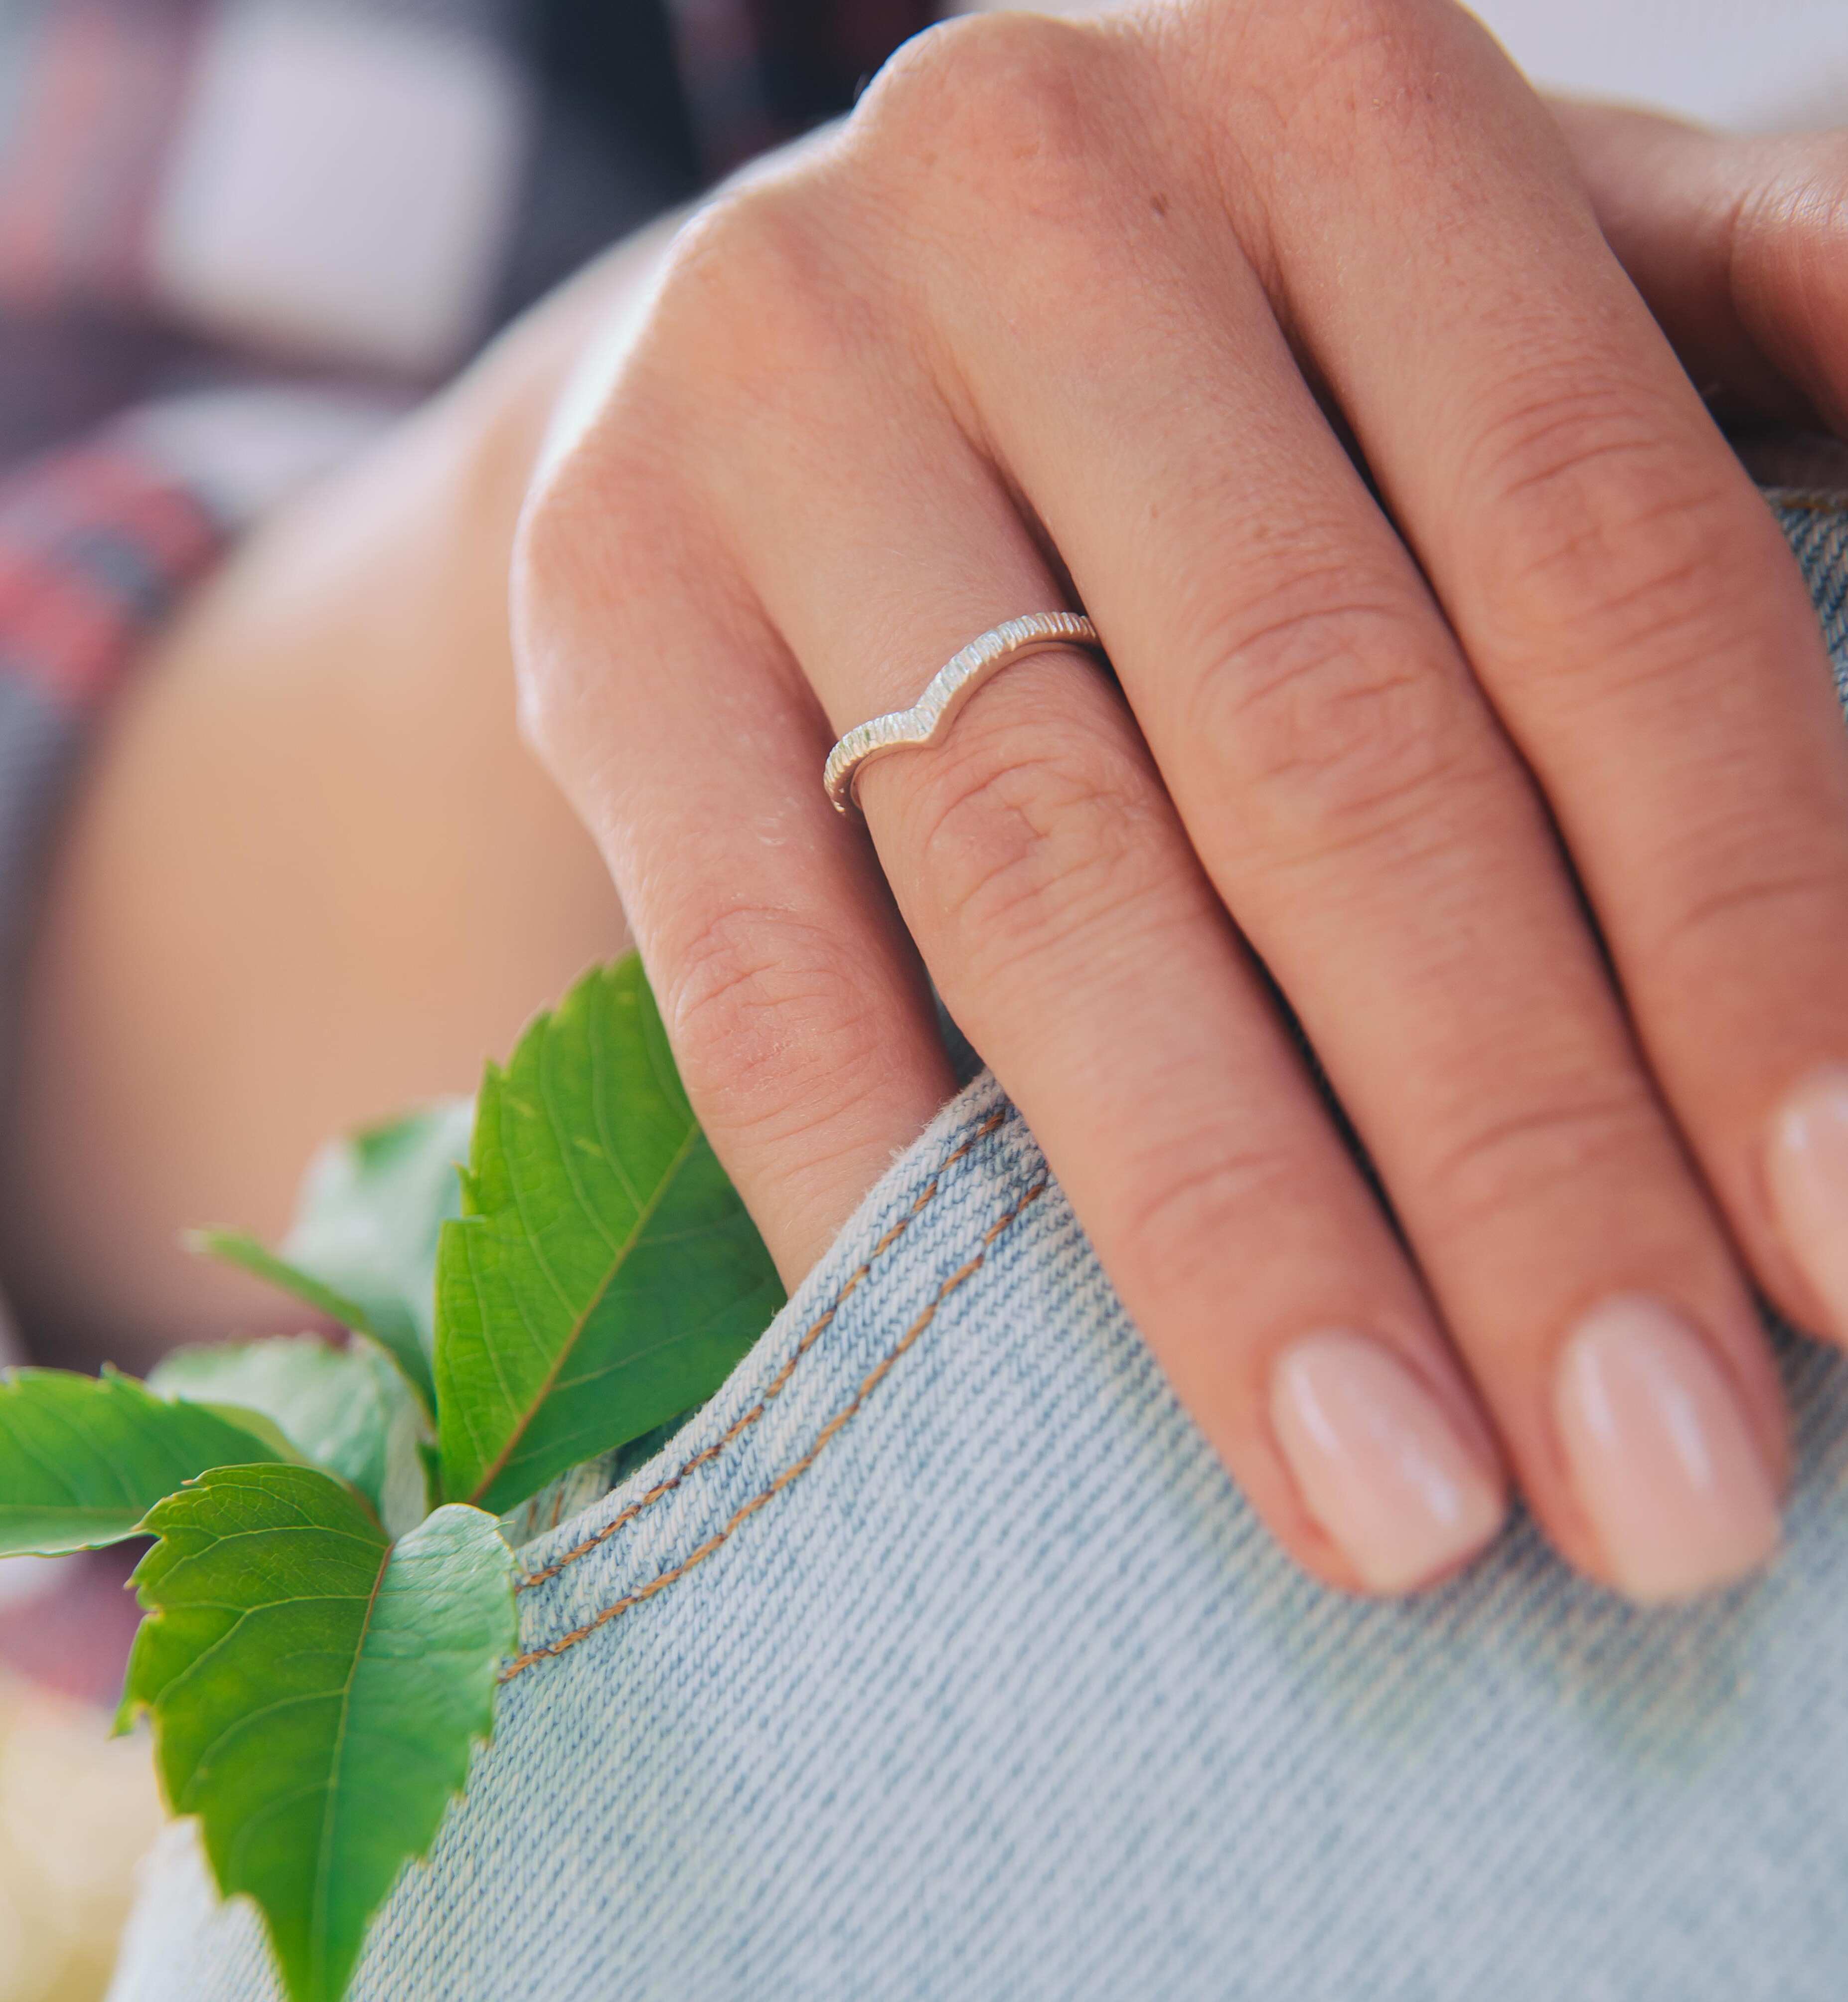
[[950, 687]]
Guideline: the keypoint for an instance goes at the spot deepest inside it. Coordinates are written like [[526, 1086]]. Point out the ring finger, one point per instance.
[[1044, 873]]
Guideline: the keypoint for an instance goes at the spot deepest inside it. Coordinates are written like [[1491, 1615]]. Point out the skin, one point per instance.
[[1050, 319], [312, 877]]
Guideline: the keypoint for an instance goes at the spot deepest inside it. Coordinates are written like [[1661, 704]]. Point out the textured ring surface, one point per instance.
[[950, 687]]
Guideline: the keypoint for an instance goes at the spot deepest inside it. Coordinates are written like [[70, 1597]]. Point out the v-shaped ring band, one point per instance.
[[950, 687]]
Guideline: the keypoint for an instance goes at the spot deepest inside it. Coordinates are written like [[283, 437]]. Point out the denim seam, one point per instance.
[[779, 1382], [797, 1468], [1805, 501]]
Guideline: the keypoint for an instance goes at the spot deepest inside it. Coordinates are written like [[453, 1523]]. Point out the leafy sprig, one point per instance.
[[603, 1275], [329, 1595], [315, 1690]]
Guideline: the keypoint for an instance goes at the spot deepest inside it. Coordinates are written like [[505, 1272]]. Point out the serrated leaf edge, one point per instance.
[[132, 1708]]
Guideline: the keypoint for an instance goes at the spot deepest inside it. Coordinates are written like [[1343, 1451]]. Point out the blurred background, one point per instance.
[[238, 238], [77, 1809]]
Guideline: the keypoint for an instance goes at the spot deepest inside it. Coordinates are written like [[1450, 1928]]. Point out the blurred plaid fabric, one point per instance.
[[237, 235]]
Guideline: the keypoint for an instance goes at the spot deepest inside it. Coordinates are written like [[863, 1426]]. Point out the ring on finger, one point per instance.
[[913, 729]]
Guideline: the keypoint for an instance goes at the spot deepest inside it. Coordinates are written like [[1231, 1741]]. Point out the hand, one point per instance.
[[1102, 313]]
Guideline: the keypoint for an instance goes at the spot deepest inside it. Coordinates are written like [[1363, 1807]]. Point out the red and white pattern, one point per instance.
[[236, 235]]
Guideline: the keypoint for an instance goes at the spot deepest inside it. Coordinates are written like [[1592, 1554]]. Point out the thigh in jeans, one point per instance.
[[938, 1658]]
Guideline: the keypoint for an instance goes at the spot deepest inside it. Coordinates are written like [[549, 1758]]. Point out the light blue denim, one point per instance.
[[953, 1667]]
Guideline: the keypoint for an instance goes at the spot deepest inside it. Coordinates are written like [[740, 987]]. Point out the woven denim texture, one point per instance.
[[1008, 1695]]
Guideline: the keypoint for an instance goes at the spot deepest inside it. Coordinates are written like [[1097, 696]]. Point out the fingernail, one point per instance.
[[1377, 1462], [1807, 1171], [1660, 1455]]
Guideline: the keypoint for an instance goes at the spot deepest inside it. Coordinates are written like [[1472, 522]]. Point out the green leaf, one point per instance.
[[237, 1247], [315, 1693], [364, 1246], [604, 1275], [83, 1459], [347, 1410]]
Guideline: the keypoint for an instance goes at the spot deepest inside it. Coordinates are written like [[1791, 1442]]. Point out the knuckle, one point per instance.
[[1380, 43], [1551, 435], [1733, 908], [759, 226], [1184, 1208], [1024, 840], [1388, 54], [1004, 103], [769, 1019], [585, 553], [747, 288], [570, 513], [1608, 531], [1528, 1157], [552, 558], [1324, 723]]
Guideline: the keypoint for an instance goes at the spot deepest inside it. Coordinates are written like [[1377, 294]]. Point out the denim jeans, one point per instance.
[[940, 1659]]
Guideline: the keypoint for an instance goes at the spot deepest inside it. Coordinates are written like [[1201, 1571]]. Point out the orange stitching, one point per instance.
[[521, 1662], [1799, 502], [810, 1336]]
